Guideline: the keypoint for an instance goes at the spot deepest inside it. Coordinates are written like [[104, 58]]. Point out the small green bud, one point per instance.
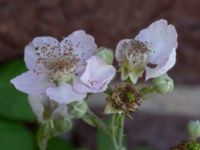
[[63, 124], [106, 55], [163, 84], [194, 129], [77, 109]]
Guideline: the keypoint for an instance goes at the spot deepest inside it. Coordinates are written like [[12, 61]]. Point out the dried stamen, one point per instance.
[[125, 98]]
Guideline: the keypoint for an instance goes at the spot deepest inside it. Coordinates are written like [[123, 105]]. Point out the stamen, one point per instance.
[[59, 64], [136, 53], [63, 68]]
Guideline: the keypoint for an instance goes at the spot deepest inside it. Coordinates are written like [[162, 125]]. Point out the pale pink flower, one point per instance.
[[96, 77], [153, 50], [52, 66]]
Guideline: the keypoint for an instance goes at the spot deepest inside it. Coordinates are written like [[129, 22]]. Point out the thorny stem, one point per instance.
[[146, 91], [93, 120], [44, 133], [113, 132], [121, 131], [117, 131]]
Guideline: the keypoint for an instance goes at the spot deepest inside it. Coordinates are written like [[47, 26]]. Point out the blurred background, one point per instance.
[[160, 123]]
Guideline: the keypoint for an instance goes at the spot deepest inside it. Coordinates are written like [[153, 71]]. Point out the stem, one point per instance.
[[117, 131], [113, 133], [93, 120], [45, 132], [146, 91], [121, 131], [42, 143]]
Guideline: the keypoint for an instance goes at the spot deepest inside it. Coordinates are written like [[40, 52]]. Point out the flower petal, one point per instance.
[[119, 54], [30, 57], [81, 44], [79, 86], [36, 103], [47, 46], [97, 75], [161, 39], [60, 111], [64, 94], [31, 83], [161, 68], [41, 50]]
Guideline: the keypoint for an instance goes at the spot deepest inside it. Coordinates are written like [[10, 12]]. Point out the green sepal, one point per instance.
[[109, 109], [77, 109], [106, 55]]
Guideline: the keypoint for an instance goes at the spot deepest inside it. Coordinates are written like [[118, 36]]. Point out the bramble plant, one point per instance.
[[193, 142], [62, 75]]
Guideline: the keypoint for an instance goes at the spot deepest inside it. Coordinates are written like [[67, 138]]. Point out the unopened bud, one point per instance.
[[194, 129], [106, 55], [63, 124], [77, 109], [163, 84]]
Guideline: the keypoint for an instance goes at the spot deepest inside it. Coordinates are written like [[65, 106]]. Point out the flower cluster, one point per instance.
[[65, 71], [61, 75]]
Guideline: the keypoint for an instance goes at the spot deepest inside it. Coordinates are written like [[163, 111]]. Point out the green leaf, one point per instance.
[[15, 136], [59, 144], [104, 142], [13, 104], [144, 147]]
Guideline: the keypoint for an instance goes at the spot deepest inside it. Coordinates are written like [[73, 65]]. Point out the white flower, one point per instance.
[[52, 66], [153, 50]]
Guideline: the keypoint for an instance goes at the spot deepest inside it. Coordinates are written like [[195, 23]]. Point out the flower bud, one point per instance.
[[63, 124], [194, 129], [77, 109], [106, 55], [163, 84]]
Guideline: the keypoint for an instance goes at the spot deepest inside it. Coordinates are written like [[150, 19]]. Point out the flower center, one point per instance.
[[125, 98], [62, 69], [136, 53]]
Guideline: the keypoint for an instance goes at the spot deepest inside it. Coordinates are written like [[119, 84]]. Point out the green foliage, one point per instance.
[[104, 142], [13, 104], [59, 144], [14, 108], [142, 148], [14, 136]]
